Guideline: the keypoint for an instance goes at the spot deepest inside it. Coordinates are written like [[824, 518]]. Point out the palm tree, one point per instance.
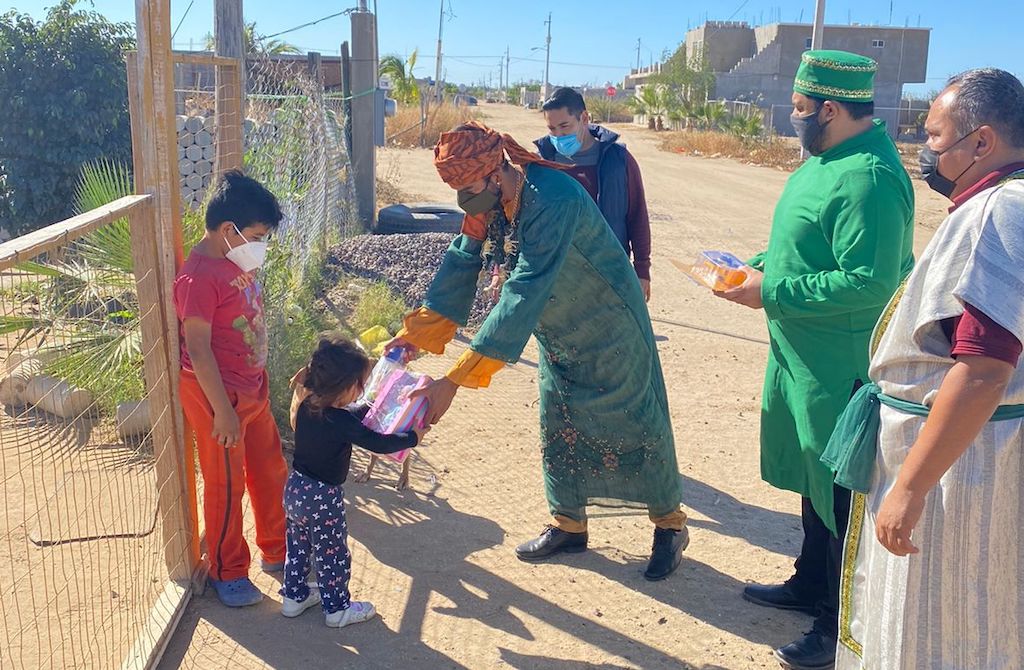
[[747, 125], [714, 114], [650, 103], [256, 45], [86, 317], [681, 112], [404, 86]]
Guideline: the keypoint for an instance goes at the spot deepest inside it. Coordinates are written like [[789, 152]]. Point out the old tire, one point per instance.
[[420, 217]]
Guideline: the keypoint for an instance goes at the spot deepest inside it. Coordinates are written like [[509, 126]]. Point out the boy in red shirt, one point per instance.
[[224, 391]]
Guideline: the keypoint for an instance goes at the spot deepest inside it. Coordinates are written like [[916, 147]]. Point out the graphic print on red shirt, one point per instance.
[[216, 291]]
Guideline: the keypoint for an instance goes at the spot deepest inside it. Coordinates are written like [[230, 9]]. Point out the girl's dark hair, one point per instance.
[[336, 366]]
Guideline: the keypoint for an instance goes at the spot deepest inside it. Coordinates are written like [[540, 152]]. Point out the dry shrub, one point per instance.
[[608, 110], [403, 129], [909, 153], [773, 152], [198, 103], [389, 185]]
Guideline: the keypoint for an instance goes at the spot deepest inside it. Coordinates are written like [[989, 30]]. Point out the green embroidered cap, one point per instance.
[[836, 75]]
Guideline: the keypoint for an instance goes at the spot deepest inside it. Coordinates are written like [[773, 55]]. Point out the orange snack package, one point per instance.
[[717, 270]]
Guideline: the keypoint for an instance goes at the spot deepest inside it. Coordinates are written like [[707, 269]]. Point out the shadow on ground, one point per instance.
[[416, 527]]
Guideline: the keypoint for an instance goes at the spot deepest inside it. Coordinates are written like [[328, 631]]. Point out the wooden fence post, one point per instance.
[[157, 253], [228, 31]]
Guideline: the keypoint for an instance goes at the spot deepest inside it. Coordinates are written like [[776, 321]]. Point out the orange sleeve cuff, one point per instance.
[[428, 330], [474, 370]]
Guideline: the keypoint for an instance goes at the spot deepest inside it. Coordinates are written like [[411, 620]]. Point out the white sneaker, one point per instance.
[[293, 608], [357, 612]]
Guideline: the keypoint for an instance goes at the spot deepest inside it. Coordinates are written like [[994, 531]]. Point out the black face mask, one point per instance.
[[929, 159], [477, 203], [810, 131]]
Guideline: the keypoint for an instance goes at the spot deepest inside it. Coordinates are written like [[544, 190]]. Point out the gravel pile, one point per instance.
[[406, 263]]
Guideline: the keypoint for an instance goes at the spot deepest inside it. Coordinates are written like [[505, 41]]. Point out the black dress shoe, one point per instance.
[[550, 542], [779, 596], [667, 553], [813, 651]]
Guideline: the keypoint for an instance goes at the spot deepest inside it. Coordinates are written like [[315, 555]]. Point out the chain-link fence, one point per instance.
[[85, 535]]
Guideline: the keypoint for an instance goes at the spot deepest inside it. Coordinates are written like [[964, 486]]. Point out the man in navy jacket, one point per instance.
[[606, 169]]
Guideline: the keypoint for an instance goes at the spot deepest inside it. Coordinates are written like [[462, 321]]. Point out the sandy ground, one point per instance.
[[438, 560]]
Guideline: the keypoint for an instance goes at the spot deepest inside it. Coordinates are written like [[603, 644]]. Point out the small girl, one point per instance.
[[313, 496]]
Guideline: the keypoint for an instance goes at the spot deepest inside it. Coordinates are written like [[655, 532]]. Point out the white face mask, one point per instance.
[[249, 256]]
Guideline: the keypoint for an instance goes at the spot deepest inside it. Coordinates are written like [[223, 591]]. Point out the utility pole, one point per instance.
[[437, 73], [364, 81], [638, 55], [547, 60], [228, 31], [818, 34], [508, 82]]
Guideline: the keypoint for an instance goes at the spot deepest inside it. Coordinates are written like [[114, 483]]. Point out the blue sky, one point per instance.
[[594, 41]]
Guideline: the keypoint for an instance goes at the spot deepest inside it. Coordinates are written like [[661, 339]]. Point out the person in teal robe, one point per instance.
[[535, 238], [840, 245]]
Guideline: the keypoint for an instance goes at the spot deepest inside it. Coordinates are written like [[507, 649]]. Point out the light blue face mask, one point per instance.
[[567, 145]]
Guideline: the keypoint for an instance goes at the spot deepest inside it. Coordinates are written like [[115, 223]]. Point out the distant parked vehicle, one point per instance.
[[463, 99]]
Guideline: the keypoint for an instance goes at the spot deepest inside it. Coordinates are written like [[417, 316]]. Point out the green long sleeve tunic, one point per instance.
[[841, 243], [607, 437]]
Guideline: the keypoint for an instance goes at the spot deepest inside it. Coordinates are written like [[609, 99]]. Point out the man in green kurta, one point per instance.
[[535, 240], [841, 243]]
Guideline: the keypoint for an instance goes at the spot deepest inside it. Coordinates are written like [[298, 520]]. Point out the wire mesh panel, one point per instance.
[[295, 145], [293, 142], [83, 552]]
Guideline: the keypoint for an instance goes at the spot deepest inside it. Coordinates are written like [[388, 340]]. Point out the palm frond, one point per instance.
[[102, 182], [14, 324]]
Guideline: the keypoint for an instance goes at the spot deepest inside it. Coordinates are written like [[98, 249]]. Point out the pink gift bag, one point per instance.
[[393, 411]]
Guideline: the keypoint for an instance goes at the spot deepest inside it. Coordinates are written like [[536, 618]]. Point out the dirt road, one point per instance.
[[437, 561]]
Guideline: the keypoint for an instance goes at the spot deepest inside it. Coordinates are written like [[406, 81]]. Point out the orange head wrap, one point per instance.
[[475, 151]]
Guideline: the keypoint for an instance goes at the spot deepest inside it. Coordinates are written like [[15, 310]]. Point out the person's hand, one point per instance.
[[227, 430], [493, 290], [748, 293], [411, 350], [439, 395], [420, 434], [645, 286], [900, 512]]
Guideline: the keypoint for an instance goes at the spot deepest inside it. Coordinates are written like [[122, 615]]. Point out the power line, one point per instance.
[[192, 2], [557, 62], [311, 23], [466, 62]]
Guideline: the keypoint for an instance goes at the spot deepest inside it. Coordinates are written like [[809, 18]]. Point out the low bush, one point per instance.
[[404, 128], [770, 152]]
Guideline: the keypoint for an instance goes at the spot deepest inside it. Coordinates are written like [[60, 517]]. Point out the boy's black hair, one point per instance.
[[568, 99], [243, 201], [857, 110]]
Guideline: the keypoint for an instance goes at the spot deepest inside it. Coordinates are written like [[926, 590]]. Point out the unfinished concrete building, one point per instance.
[[759, 64]]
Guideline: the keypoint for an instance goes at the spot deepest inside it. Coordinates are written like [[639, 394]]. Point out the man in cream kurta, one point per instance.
[[934, 551]]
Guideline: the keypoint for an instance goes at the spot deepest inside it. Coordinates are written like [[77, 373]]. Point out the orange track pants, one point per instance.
[[256, 463]]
